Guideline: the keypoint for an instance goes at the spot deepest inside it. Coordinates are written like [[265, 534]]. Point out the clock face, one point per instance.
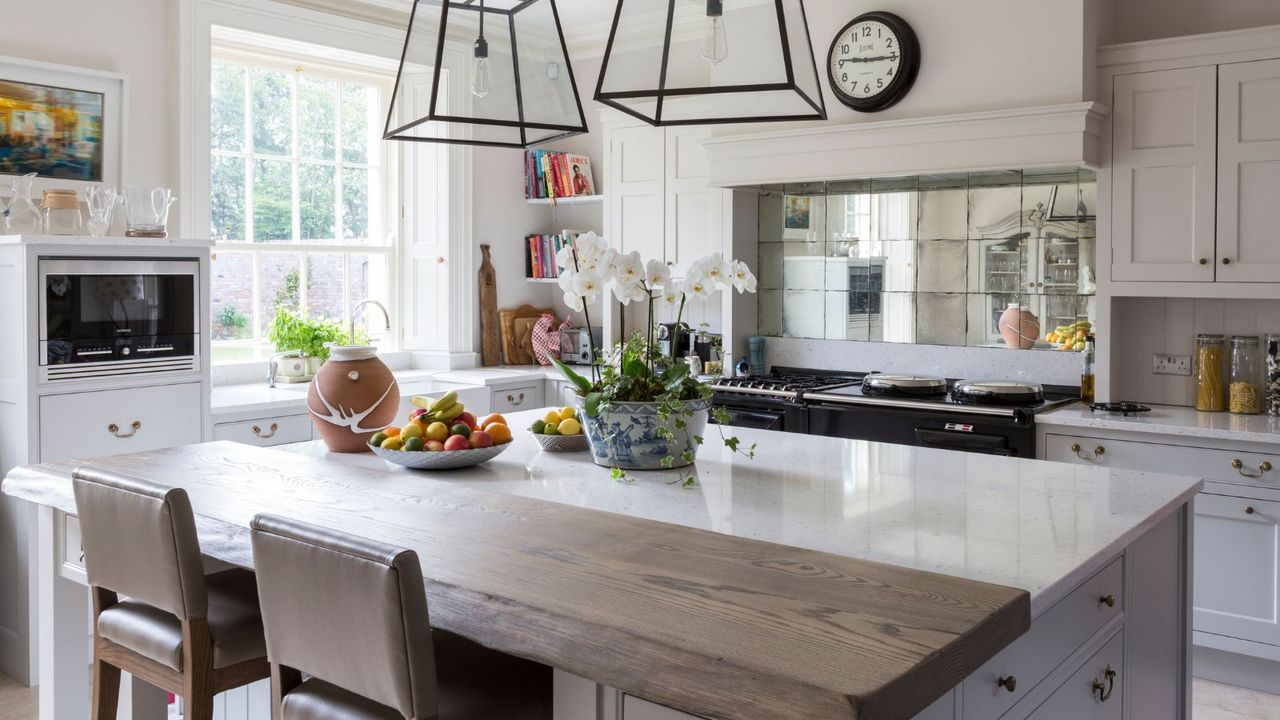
[[873, 61]]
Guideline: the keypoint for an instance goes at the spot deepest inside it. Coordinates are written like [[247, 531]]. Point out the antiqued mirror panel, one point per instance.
[[997, 259]]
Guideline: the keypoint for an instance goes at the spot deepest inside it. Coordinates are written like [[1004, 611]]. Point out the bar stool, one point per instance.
[[350, 616], [156, 615]]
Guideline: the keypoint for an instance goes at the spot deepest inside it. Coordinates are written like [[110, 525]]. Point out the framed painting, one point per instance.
[[65, 124]]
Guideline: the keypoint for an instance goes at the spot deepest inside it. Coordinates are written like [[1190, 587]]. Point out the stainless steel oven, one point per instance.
[[103, 317]]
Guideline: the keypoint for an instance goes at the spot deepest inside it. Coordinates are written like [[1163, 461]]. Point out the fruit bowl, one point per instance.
[[440, 459], [561, 443]]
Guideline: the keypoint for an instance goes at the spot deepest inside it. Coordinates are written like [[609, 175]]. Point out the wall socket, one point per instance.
[[1171, 364]]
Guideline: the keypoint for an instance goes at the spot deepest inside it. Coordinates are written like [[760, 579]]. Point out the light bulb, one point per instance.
[[715, 44], [481, 77]]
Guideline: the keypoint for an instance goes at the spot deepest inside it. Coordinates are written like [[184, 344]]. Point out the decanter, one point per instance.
[[24, 217]]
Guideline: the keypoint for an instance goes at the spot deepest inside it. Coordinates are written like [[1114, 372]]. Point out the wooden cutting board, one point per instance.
[[516, 346], [490, 330]]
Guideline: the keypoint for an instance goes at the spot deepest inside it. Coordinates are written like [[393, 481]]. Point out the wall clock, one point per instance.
[[873, 61]]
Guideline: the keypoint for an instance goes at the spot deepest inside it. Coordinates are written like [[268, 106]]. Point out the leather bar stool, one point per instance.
[[348, 637], [156, 615]]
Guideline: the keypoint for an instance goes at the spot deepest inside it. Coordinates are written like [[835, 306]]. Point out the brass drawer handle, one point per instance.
[[514, 401], [1263, 468], [1098, 452], [1008, 683], [114, 429], [257, 431], [1109, 600], [1104, 689]]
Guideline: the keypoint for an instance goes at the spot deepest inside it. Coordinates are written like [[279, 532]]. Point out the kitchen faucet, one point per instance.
[[355, 310], [273, 363]]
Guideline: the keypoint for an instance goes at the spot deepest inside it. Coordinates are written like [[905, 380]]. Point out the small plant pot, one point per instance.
[[626, 435]]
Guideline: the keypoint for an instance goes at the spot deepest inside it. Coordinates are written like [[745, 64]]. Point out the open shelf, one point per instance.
[[575, 200], [542, 280]]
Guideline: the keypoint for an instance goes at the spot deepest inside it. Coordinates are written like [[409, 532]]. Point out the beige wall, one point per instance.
[[1151, 19], [135, 38]]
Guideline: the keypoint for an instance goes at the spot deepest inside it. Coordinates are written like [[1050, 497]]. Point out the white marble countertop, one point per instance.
[[1171, 420], [1024, 523], [500, 376]]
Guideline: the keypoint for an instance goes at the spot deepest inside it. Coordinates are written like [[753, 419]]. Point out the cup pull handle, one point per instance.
[[114, 429], [1104, 689], [1263, 468], [257, 431]]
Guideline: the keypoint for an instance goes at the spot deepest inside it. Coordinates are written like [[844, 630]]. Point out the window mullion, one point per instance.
[[296, 150], [249, 230]]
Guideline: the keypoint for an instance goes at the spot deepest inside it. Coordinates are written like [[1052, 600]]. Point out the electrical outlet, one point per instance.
[[1171, 364]]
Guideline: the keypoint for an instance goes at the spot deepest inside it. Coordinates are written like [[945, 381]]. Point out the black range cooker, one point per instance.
[[992, 417]]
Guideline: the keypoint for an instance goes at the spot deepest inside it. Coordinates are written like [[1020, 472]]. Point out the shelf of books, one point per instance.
[[575, 200], [556, 177], [540, 255]]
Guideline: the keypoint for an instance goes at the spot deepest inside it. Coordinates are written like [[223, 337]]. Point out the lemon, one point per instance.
[[392, 443], [552, 418], [567, 412], [412, 430], [569, 426]]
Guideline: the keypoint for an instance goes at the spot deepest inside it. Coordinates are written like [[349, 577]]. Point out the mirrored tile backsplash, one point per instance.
[[993, 259]]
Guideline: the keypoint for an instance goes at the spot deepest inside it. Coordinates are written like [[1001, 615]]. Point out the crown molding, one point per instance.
[[589, 41]]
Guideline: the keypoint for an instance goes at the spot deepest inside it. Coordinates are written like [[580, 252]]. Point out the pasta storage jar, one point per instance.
[[1245, 391], [1211, 365]]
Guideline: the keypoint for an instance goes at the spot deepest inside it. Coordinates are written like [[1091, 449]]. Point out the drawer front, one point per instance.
[[266, 431], [524, 397], [1009, 676], [1094, 691], [1229, 466], [1237, 562], [109, 422]]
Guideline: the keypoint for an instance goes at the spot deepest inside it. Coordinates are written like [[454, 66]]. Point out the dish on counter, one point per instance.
[[440, 435]]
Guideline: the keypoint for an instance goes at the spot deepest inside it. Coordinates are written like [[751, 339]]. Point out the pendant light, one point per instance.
[[694, 62], [485, 72]]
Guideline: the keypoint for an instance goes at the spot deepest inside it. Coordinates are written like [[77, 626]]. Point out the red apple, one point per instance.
[[434, 446], [481, 439], [457, 442], [466, 418]]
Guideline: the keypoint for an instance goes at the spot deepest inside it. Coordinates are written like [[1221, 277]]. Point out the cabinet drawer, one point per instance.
[[1237, 562], [1095, 690], [109, 422], [1009, 676], [522, 397], [266, 431], [1228, 466]]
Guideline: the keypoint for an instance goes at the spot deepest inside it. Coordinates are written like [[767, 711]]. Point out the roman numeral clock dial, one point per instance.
[[873, 61]]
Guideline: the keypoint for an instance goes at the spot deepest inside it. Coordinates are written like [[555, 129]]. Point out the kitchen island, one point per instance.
[[825, 578]]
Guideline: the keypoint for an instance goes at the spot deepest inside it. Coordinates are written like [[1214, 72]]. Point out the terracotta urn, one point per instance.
[[1019, 327], [353, 396]]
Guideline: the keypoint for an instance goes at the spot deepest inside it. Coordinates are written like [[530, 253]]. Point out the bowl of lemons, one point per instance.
[[560, 431]]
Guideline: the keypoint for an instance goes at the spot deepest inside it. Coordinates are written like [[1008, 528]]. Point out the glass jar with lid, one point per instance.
[[1245, 391], [61, 209], [1211, 366], [1272, 402]]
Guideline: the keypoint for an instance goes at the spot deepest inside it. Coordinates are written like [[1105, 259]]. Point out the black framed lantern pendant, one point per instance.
[[485, 72], [700, 62]]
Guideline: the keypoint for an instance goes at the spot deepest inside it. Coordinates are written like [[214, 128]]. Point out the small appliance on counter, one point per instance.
[[674, 340], [576, 344]]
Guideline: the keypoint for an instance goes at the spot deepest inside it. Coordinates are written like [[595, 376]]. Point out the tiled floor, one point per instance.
[[1213, 701]]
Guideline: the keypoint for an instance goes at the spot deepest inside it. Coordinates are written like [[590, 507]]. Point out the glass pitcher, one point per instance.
[[24, 217], [146, 211]]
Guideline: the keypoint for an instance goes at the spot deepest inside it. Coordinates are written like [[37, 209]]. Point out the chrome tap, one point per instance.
[[355, 310], [273, 363]]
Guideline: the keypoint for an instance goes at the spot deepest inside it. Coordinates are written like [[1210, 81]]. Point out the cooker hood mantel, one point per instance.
[[1051, 136]]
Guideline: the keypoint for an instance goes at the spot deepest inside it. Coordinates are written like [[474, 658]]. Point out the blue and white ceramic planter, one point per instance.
[[625, 435]]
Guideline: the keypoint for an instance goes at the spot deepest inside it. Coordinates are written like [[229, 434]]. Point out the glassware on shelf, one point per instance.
[[102, 202], [24, 217], [1245, 391], [146, 211], [61, 212], [1272, 403], [1211, 390]]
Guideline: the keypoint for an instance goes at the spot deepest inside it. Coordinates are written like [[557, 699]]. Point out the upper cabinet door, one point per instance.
[[1163, 177], [636, 173], [694, 223], [1249, 172]]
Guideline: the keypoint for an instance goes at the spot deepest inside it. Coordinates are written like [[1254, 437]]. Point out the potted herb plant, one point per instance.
[[291, 331], [642, 410]]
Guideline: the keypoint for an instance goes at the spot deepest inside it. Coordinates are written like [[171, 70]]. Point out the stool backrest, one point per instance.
[[349, 611], [140, 541]]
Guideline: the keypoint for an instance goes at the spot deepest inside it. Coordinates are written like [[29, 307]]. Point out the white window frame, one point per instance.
[[382, 204]]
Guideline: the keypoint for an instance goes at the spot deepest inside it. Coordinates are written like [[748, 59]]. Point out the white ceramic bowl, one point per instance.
[[562, 443], [441, 459]]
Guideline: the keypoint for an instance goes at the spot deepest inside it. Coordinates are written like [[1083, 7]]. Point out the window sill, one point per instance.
[[251, 371]]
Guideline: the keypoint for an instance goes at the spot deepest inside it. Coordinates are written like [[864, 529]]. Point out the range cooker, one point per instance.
[[988, 417]]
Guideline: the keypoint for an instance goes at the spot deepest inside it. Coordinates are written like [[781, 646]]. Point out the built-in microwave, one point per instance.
[[104, 317]]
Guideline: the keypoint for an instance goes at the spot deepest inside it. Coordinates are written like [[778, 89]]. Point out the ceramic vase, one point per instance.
[[625, 435], [353, 396], [1019, 327]]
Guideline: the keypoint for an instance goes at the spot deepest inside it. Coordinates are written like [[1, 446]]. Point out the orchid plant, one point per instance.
[[634, 371]]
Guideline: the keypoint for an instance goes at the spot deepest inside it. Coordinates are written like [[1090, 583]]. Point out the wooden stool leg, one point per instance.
[[106, 690], [197, 675]]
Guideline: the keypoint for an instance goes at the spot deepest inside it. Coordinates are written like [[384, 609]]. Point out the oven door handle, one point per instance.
[[760, 420], [968, 442]]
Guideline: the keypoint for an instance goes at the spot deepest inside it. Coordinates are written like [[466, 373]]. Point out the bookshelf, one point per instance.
[[573, 200]]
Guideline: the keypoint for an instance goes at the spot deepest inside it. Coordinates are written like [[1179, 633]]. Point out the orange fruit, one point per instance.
[[392, 432], [499, 432], [492, 418]]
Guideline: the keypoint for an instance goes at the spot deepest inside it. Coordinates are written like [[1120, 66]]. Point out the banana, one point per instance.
[[422, 401], [448, 414], [448, 399]]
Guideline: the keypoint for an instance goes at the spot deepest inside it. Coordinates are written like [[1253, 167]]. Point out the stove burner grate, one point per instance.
[[1122, 408]]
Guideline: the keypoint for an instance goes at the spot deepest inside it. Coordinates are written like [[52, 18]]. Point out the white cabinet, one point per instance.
[[694, 211], [267, 431], [517, 397], [1249, 171], [109, 422], [1164, 141], [636, 175], [1237, 561]]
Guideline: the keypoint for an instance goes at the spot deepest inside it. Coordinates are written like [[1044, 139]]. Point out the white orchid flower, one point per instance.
[[629, 269], [671, 296], [565, 279], [657, 274], [574, 301], [564, 259], [698, 287], [626, 292], [717, 270], [743, 279], [588, 285]]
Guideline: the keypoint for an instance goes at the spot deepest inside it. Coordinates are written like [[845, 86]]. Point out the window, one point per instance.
[[299, 196]]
